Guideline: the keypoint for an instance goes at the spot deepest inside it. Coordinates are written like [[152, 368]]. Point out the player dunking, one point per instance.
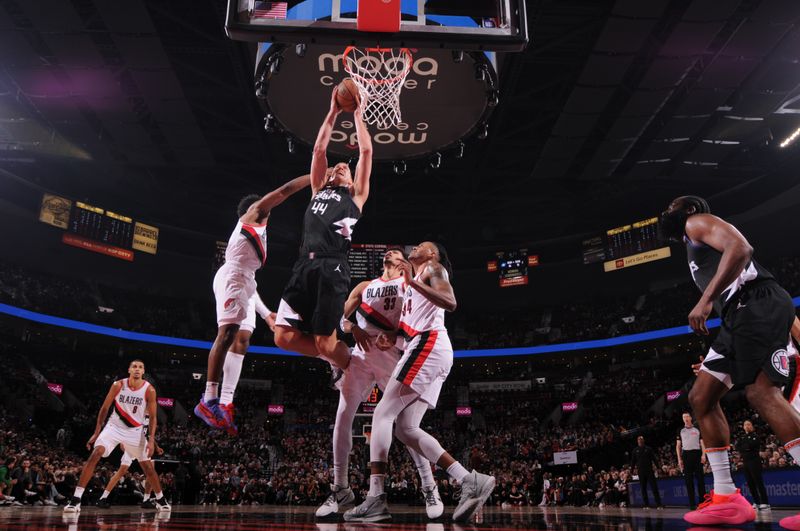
[[415, 386], [238, 302], [750, 350], [312, 302], [133, 399], [378, 304]]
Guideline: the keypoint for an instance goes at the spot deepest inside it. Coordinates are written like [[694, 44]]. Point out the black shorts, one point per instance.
[[754, 336], [313, 300]]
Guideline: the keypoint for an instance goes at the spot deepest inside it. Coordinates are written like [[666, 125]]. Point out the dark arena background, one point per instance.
[[539, 143]]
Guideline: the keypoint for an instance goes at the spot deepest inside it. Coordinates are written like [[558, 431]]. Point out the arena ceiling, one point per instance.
[[615, 107]]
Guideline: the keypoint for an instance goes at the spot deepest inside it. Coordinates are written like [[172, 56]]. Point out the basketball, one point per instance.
[[347, 95]]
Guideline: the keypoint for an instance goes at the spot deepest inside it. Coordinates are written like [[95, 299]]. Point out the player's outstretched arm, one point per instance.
[[262, 208], [103, 413], [736, 253], [150, 397], [353, 301], [319, 156], [439, 292], [364, 166]]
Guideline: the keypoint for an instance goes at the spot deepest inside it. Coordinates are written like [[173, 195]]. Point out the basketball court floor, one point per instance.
[[194, 517]]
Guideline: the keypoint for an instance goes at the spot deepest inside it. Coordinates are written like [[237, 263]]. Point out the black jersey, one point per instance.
[[329, 221], [703, 264]]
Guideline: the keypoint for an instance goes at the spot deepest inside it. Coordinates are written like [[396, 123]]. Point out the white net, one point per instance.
[[379, 74]]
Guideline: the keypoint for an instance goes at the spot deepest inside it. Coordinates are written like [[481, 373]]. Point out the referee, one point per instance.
[[748, 447], [691, 458]]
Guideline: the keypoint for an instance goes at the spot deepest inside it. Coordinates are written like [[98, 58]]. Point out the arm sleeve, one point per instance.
[[261, 308]]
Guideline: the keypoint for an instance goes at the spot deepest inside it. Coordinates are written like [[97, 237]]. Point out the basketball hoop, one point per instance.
[[379, 74]]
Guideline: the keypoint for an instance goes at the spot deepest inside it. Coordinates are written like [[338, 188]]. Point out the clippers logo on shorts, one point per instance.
[[130, 406], [780, 362]]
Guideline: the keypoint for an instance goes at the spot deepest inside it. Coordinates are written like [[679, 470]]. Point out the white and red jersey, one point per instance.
[[419, 314], [381, 304], [247, 246], [130, 405]]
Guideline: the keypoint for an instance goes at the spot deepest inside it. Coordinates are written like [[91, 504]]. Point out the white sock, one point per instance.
[[793, 447], [78, 492], [212, 391], [231, 372], [457, 472], [720, 464], [376, 484], [146, 496], [159, 495], [426, 476], [105, 495], [340, 475]]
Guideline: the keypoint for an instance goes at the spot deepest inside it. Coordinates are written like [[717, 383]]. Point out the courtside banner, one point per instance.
[[783, 488], [165, 402]]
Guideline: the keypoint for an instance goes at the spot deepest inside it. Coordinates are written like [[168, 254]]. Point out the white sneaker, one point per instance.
[[340, 497], [50, 503], [74, 505], [433, 502], [764, 507], [162, 505], [475, 490], [374, 509]]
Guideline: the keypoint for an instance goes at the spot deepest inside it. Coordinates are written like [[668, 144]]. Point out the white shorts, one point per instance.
[[235, 294], [368, 368], [113, 435], [425, 364]]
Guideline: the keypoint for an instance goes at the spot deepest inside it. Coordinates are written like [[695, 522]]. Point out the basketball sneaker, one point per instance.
[[475, 490], [227, 411], [162, 505], [340, 496], [103, 503], [149, 503], [433, 502], [209, 412], [74, 505], [722, 509], [373, 509]]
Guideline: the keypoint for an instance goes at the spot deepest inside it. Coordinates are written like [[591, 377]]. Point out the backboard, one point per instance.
[[472, 25]]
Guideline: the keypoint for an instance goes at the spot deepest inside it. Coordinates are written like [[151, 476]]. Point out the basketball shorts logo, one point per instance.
[[780, 362], [230, 303]]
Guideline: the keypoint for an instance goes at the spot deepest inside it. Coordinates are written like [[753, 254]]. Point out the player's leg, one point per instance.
[[98, 452], [121, 471], [232, 369], [350, 396], [727, 505], [292, 339], [154, 483], [408, 421], [333, 350]]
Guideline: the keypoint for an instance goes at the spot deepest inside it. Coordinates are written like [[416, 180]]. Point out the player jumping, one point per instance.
[[312, 302], [238, 302]]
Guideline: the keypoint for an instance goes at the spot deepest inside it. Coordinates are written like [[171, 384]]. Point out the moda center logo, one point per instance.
[[441, 101]]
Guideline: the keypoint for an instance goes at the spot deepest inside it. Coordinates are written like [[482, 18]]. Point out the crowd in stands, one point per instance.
[[287, 460], [154, 312]]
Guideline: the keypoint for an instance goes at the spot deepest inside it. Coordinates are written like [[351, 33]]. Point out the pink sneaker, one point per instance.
[[722, 509], [791, 522]]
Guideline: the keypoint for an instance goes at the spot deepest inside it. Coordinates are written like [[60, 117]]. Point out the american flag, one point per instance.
[[270, 10]]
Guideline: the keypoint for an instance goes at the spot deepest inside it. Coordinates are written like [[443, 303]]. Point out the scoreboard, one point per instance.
[[366, 259], [512, 267], [101, 226], [626, 246], [96, 229]]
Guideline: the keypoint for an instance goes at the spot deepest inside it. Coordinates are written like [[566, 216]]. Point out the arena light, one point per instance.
[[789, 140]]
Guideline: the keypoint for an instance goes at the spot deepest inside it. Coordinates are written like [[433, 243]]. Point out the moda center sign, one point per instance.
[[442, 100]]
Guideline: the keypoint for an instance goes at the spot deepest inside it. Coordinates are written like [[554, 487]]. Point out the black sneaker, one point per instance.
[[74, 505], [149, 504], [103, 503]]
